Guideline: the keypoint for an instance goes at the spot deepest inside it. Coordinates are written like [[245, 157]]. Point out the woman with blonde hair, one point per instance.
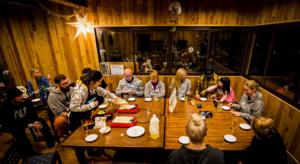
[[267, 145], [196, 151], [154, 87], [251, 103], [181, 83]]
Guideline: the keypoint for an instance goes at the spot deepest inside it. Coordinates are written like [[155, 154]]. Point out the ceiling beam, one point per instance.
[[66, 3]]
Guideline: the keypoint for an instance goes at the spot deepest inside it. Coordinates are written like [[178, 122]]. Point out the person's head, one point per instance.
[[250, 87], [209, 71], [224, 84], [181, 74], [154, 76], [86, 70], [196, 129], [262, 126], [36, 73], [92, 79], [15, 95], [128, 74], [62, 82]]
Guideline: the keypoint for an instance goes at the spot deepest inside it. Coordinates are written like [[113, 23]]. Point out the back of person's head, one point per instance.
[[262, 126], [252, 84], [154, 75], [196, 129], [58, 78], [226, 84]]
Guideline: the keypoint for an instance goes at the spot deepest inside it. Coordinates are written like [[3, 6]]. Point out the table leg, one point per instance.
[[81, 156]]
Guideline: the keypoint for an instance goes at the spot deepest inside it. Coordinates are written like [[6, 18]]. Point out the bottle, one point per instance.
[[154, 127]]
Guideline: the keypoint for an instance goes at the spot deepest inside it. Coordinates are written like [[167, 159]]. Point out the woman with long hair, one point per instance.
[[181, 83]]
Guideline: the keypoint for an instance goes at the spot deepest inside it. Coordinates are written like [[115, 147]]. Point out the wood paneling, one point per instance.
[[286, 117], [195, 12], [31, 38]]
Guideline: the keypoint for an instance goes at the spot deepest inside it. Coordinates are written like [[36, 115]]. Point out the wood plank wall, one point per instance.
[[195, 12], [31, 38], [286, 117]]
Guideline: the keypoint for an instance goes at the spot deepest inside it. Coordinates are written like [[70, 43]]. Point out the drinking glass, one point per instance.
[[85, 126], [233, 125], [193, 101]]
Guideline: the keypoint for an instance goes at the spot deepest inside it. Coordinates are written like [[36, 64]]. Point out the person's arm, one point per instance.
[[140, 89], [147, 91], [56, 106], [256, 111], [162, 90], [238, 107], [78, 99], [119, 89], [211, 88]]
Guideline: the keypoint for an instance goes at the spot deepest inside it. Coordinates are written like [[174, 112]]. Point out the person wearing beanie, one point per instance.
[[16, 115]]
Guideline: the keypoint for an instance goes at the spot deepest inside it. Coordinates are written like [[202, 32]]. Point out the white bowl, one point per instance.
[[131, 99], [148, 99]]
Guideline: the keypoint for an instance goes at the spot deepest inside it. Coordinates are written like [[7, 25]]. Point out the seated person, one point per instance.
[[181, 83], [16, 115], [209, 78], [130, 85], [267, 145], [251, 103], [196, 151], [223, 91], [43, 84], [154, 87], [59, 103]]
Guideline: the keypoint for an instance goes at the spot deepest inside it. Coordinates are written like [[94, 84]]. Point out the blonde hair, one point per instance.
[[252, 84], [180, 72], [154, 75], [196, 129], [262, 125]]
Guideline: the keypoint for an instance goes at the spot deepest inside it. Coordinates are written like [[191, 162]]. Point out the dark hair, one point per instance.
[[86, 70], [88, 77], [13, 92], [58, 78], [226, 84]]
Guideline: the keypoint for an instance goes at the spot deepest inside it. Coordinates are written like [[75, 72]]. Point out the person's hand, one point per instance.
[[36, 92], [238, 114], [49, 77], [2, 85], [132, 92], [65, 114], [203, 93], [94, 104], [37, 125], [197, 96], [189, 93], [230, 105]]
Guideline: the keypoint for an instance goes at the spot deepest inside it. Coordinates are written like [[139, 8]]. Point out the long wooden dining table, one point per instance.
[[221, 123], [172, 126]]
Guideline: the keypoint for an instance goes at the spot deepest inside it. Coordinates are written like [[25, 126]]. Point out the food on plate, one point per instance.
[[127, 106]]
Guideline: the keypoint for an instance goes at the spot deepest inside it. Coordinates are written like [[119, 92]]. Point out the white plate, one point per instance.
[[203, 99], [102, 106], [36, 100], [135, 131], [148, 99], [224, 107], [91, 138], [245, 126], [105, 130], [182, 99], [184, 140], [131, 99], [230, 138]]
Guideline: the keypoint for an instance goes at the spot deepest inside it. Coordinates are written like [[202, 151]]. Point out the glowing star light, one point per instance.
[[82, 25]]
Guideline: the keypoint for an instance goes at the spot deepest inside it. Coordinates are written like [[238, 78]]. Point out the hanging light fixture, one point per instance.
[[82, 25]]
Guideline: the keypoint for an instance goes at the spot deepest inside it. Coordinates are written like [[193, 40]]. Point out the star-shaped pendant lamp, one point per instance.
[[82, 25]]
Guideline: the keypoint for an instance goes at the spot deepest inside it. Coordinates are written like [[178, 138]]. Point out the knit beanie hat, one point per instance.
[[13, 92]]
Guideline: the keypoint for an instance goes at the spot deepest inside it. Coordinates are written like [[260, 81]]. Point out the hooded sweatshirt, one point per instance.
[[250, 107], [59, 101]]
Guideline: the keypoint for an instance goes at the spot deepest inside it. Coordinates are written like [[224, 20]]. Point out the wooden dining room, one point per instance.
[[149, 81]]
